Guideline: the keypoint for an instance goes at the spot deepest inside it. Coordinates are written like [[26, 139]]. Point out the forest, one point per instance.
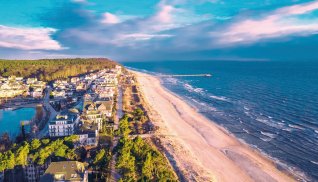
[[51, 69]]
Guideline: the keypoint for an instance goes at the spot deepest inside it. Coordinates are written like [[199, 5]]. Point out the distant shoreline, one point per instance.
[[201, 146]]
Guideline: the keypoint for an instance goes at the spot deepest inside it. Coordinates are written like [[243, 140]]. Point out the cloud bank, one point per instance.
[[28, 38]]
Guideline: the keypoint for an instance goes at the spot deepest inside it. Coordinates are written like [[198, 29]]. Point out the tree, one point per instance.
[[61, 151], [138, 113], [138, 147], [124, 126], [45, 141], [35, 144], [70, 140], [23, 130], [10, 161], [99, 157], [7, 161], [126, 165], [70, 154], [147, 168], [21, 154]]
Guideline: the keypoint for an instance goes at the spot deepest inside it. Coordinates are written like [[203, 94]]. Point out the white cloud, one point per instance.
[[109, 18], [28, 38], [279, 23]]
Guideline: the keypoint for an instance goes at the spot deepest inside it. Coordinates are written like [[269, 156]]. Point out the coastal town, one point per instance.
[[94, 120], [80, 131]]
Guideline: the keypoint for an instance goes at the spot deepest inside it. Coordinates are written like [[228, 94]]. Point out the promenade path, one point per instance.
[[119, 114]]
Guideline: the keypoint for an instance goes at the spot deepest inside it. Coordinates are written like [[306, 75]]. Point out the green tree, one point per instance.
[[70, 154], [45, 141], [35, 144], [124, 126], [138, 114], [21, 154], [10, 161], [138, 147], [147, 168], [7, 161], [61, 151], [99, 157], [126, 165]]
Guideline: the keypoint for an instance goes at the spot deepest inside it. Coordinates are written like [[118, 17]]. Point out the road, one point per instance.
[[53, 113]]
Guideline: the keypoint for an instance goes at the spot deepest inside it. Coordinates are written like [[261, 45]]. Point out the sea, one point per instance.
[[270, 105]]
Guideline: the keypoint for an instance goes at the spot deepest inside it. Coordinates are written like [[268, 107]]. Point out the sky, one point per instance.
[[148, 30]]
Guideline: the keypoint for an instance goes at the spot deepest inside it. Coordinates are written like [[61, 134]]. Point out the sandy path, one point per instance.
[[201, 149]]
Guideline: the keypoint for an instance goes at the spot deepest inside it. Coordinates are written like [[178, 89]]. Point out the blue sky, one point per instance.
[[130, 30]]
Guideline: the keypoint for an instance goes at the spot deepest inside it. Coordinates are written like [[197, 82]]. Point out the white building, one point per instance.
[[88, 138], [63, 125]]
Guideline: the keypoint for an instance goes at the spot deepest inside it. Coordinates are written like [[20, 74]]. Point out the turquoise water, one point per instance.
[[272, 106], [10, 120]]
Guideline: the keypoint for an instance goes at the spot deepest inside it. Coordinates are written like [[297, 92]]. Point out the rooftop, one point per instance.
[[66, 171]]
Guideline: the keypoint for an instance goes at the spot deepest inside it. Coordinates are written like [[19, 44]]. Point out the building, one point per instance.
[[105, 106], [33, 172], [31, 80], [63, 125], [88, 138], [91, 114], [65, 171]]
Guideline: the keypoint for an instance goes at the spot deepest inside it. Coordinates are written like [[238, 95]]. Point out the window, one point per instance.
[[74, 175]]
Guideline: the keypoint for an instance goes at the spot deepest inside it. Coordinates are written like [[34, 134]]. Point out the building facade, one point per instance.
[[63, 125]]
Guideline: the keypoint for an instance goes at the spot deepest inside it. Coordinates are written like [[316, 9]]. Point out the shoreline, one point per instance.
[[197, 145]]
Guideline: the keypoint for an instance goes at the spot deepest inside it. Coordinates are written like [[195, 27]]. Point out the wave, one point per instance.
[[314, 162], [266, 139], [190, 88], [221, 98], [198, 90], [246, 131], [269, 123], [172, 80], [270, 135], [287, 129], [295, 126], [203, 105]]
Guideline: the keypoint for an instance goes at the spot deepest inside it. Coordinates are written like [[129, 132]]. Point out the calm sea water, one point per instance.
[[272, 106], [10, 120]]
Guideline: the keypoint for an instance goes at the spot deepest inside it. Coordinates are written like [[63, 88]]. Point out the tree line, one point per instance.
[[38, 151], [137, 160], [52, 69]]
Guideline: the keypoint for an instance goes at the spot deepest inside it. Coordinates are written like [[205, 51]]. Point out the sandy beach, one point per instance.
[[199, 148]]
